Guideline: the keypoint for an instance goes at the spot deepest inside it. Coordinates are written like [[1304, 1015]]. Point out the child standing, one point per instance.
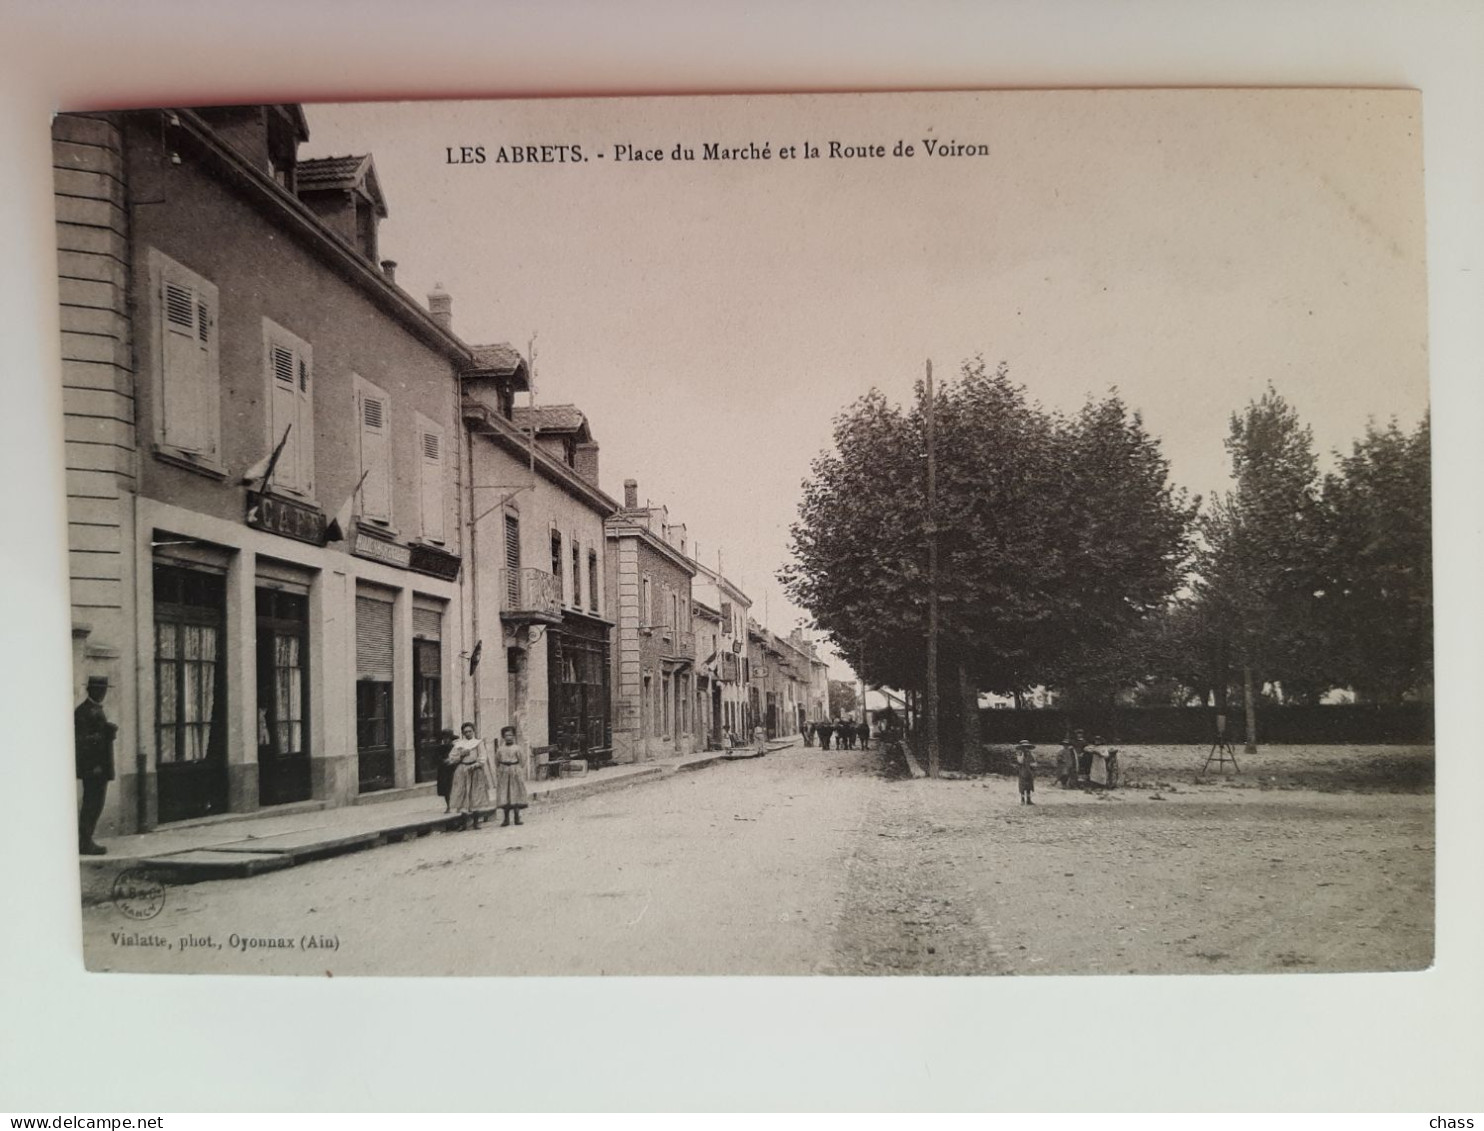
[[1025, 764]]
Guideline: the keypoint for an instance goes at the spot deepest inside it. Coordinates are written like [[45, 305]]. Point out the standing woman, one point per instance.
[[445, 769], [469, 790], [511, 759]]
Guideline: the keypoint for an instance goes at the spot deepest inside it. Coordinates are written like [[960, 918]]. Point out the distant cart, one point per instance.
[[1093, 767]]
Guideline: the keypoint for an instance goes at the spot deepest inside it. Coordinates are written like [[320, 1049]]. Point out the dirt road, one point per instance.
[[818, 862]]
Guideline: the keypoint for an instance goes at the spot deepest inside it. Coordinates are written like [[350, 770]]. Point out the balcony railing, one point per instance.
[[677, 643], [531, 595]]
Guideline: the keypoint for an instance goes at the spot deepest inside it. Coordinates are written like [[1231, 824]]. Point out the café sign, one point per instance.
[[285, 517]]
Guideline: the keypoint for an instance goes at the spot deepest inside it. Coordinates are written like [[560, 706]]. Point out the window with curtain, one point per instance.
[[187, 663]]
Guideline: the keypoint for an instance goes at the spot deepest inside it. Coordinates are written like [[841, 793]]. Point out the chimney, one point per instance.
[[630, 494], [389, 269], [440, 306], [586, 462]]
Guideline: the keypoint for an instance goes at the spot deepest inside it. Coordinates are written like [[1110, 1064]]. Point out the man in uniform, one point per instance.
[[93, 742]]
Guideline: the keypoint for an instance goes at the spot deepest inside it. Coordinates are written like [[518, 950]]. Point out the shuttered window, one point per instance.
[[290, 380], [592, 580], [374, 411], [188, 383], [576, 574], [427, 624], [512, 561], [557, 572], [373, 640], [431, 458]]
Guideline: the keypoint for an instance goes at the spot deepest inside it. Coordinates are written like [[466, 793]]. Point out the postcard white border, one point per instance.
[[119, 1043]]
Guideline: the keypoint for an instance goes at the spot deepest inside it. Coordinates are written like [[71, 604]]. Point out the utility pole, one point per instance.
[[932, 536]]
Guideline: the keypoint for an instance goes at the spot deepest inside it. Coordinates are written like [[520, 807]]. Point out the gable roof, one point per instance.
[[500, 360], [329, 174], [554, 418]]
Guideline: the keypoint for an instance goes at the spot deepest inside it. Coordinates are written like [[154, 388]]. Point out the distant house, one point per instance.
[[649, 589], [723, 660]]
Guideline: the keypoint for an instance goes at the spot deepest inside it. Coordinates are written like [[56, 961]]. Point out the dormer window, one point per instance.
[[346, 195]]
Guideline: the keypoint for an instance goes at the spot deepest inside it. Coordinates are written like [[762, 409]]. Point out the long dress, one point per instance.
[[470, 788], [510, 776], [1025, 763]]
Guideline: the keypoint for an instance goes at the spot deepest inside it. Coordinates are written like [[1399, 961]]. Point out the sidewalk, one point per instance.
[[237, 846]]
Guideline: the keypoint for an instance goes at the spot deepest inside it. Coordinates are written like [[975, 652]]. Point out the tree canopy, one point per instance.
[[1058, 537]]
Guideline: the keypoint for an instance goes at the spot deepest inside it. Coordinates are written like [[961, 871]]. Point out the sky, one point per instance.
[[711, 317]]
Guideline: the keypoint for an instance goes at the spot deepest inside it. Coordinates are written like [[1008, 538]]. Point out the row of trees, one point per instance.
[[1068, 559], [1307, 581]]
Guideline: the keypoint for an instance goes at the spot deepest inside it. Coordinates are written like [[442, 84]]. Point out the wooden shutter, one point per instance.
[[430, 461], [188, 361], [373, 640], [284, 413], [376, 454], [305, 428], [512, 561], [290, 380]]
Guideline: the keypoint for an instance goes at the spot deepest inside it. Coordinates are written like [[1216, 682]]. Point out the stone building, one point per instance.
[[722, 654], [649, 590], [263, 455], [541, 599]]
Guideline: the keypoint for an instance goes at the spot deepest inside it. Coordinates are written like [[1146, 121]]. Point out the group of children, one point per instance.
[[469, 773], [1080, 763]]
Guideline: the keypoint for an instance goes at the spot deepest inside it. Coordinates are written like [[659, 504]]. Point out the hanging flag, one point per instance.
[[474, 655], [340, 524], [262, 471]]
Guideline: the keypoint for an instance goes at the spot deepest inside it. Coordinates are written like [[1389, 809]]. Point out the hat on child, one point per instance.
[[1025, 744]]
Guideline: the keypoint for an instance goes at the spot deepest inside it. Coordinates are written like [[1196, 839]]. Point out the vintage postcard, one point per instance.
[[945, 533]]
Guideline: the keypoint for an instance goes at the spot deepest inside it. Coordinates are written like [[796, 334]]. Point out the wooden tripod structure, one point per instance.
[[1221, 751]]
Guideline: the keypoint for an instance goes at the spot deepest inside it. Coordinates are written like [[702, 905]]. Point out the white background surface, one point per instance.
[[73, 1042]]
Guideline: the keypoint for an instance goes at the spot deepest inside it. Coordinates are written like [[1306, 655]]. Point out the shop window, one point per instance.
[[427, 691]]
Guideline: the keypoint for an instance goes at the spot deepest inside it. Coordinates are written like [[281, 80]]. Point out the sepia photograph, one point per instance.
[[954, 533]]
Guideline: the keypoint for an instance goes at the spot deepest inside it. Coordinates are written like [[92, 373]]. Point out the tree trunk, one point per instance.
[[1249, 702], [968, 700]]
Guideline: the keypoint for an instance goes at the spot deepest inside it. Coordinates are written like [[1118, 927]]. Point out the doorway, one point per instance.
[[375, 752], [190, 693], [283, 696]]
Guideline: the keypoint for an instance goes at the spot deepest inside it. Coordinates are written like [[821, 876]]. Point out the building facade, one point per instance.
[[540, 592], [649, 589], [722, 655], [264, 509]]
